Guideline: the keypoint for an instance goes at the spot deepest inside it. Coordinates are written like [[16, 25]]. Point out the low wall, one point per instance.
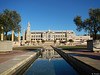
[[93, 45], [79, 66], [21, 67], [5, 46], [16, 44]]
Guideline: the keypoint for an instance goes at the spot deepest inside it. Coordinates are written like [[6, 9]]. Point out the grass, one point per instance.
[[26, 48], [72, 47]]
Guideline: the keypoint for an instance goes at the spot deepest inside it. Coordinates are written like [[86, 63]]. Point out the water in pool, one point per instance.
[[50, 63]]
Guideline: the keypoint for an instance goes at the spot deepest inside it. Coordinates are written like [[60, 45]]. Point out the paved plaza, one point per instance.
[[86, 56], [13, 58]]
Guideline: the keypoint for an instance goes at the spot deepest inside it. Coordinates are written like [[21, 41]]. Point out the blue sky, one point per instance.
[[50, 14]]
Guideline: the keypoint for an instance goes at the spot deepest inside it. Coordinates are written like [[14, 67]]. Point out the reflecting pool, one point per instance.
[[50, 63]]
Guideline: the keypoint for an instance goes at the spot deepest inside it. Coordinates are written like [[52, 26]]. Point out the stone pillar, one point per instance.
[[30, 37], [23, 36], [28, 32], [19, 37], [12, 35], [2, 33]]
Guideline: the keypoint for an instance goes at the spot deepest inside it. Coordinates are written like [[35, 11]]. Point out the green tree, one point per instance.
[[27, 42], [70, 40], [0, 36], [38, 41], [10, 21], [1, 21], [33, 42], [60, 41], [54, 41], [91, 24], [43, 41], [9, 37]]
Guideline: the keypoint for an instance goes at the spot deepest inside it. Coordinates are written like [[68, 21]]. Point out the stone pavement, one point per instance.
[[11, 59], [86, 56]]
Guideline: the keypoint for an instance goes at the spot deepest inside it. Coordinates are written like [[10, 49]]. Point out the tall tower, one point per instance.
[[28, 34]]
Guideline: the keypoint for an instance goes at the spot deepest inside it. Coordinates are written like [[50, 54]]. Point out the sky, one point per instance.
[[50, 14]]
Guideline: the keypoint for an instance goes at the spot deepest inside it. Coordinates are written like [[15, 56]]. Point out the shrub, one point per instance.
[[38, 41], [54, 41], [43, 41], [70, 40]]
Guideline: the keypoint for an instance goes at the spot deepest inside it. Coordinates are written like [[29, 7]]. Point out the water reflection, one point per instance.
[[49, 53], [50, 63]]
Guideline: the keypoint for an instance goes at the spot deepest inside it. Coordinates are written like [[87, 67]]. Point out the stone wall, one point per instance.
[[79, 66], [93, 45], [5, 46], [90, 45], [15, 44]]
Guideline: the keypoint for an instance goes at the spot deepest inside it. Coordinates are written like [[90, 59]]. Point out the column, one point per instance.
[[12, 35], [23, 36], [30, 36], [19, 37], [2, 33]]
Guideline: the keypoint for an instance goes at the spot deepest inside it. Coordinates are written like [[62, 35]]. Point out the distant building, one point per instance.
[[51, 35]]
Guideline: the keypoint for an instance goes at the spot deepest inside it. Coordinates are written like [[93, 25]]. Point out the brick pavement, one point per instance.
[[7, 56], [9, 60]]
